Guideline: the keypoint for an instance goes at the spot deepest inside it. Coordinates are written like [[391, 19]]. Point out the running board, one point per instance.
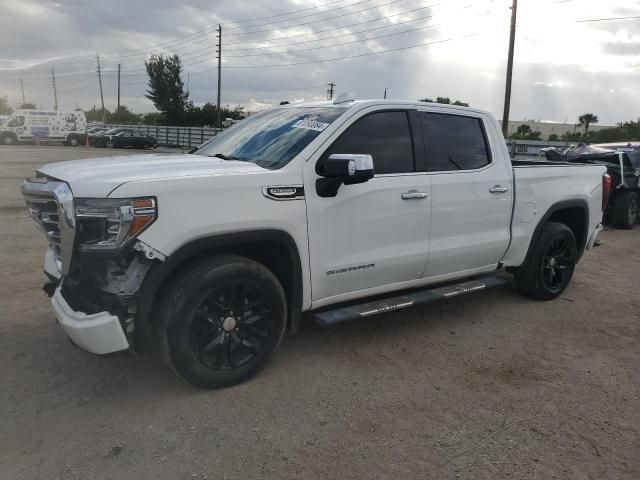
[[353, 312]]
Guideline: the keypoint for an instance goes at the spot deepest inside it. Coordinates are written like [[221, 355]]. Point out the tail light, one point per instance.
[[607, 187]]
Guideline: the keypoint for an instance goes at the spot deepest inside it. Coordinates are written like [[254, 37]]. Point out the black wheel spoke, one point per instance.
[[231, 326], [213, 343], [245, 343], [254, 332], [229, 350]]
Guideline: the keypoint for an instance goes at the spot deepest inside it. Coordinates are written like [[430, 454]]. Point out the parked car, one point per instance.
[[622, 161], [211, 257], [125, 138], [96, 137], [27, 125], [94, 130]]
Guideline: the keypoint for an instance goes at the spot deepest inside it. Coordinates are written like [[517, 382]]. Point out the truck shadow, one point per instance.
[[44, 363]]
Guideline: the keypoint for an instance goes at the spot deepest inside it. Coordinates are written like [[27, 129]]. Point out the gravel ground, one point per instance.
[[490, 385]]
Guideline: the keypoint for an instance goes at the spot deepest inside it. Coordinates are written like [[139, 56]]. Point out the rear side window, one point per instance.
[[383, 135], [454, 142]]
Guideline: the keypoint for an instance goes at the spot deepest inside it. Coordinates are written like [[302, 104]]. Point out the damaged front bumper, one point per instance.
[[98, 333]]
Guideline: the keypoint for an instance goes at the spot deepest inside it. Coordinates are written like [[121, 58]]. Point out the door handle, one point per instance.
[[413, 195], [499, 189]]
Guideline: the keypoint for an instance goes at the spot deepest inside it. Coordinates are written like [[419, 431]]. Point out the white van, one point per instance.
[[66, 126]]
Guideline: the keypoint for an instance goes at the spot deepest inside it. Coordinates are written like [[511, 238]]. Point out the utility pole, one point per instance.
[[55, 92], [332, 86], [104, 117], [118, 109], [219, 70], [507, 91], [385, 93], [22, 88]]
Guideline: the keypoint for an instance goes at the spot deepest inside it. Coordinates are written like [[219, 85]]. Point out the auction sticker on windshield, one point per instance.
[[310, 125]]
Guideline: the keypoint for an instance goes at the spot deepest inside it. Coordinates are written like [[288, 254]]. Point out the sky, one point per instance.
[[275, 50]]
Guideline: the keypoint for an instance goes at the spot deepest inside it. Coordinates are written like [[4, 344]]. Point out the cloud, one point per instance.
[[597, 60]]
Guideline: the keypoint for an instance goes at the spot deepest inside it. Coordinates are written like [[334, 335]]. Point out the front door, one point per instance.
[[371, 235]]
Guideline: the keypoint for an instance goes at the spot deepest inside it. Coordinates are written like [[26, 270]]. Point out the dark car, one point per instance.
[[125, 138], [96, 136], [622, 160]]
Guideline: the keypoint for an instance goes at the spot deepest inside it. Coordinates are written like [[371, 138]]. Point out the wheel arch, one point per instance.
[[574, 214], [275, 249]]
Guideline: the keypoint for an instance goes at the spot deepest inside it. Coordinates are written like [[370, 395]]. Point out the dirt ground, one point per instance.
[[490, 385]]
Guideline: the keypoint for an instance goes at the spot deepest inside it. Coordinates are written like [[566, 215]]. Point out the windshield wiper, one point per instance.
[[223, 156]]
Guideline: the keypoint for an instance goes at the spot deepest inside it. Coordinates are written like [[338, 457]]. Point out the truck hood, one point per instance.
[[98, 177]]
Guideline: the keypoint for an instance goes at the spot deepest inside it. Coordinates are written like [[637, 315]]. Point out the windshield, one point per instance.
[[271, 139], [111, 131]]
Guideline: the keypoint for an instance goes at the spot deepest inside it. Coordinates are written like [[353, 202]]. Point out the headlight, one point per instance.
[[109, 224]]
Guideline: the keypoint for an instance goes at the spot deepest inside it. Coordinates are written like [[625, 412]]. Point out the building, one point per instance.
[[551, 128]]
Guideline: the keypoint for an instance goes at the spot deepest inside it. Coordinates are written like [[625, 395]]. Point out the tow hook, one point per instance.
[[49, 288]]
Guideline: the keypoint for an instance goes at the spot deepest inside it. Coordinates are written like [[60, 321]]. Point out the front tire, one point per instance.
[[625, 210], [221, 321], [8, 140], [549, 266]]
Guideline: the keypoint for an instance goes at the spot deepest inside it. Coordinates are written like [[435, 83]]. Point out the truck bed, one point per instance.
[[541, 185]]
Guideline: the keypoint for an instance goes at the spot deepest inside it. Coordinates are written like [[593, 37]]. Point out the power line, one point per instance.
[[311, 15], [590, 20], [337, 44], [207, 50], [417, 45], [316, 21]]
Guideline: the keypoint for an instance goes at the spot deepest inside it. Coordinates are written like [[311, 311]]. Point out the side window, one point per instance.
[[383, 135], [16, 122], [454, 142]]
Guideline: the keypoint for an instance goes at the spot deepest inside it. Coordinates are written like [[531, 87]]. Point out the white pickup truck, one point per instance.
[[343, 209]]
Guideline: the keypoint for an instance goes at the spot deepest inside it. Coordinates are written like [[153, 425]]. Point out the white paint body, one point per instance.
[[459, 229]]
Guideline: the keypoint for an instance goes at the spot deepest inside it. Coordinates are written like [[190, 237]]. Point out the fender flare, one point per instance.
[[161, 271], [556, 207]]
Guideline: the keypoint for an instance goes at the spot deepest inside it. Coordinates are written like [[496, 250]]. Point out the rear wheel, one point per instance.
[[73, 141], [550, 264], [110, 144], [625, 210], [222, 320]]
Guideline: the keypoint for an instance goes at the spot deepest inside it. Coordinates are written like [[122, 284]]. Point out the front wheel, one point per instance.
[[625, 210], [549, 266], [8, 140], [221, 321]]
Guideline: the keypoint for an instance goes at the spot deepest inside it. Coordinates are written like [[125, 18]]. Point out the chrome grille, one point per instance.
[[50, 205]]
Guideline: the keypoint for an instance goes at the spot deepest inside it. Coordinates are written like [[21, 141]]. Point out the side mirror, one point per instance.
[[343, 168]]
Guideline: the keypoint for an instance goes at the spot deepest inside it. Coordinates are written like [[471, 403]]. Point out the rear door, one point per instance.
[[472, 193], [370, 235]]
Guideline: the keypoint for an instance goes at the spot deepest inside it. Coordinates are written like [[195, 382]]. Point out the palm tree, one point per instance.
[[585, 120]]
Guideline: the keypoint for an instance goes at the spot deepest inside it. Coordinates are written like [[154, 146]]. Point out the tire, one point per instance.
[[221, 320], [73, 141], [146, 145], [110, 144], [550, 264], [625, 210], [8, 140]]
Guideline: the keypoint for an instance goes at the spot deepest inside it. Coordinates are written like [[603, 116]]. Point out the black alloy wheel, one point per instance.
[[220, 320], [557, 264], [550, 263], [231, 326]]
